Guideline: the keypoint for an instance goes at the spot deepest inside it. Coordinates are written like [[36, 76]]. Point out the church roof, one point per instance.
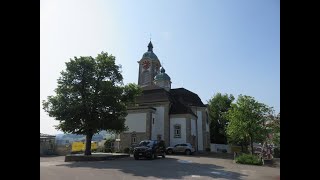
[[187, 97], [153, 93], [150, 54], [179, 108], [181, 99], [162, 75]]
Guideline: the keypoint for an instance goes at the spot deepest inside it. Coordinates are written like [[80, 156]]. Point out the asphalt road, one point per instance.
[[172, 167]]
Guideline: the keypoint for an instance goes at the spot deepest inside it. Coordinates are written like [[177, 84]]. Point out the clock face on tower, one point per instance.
[[145, 64]]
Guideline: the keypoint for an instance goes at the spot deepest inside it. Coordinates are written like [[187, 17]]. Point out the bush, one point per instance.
[[208, 149], [100, 149], [248, 159], [276, 153], [126, 150], [109, 150]]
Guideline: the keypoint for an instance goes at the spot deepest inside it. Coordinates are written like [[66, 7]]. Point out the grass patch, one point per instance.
[[248, 159]]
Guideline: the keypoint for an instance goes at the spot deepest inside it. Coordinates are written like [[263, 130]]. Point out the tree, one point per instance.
[[218, 106], [247, 119], [275, 129], [91, 97], [109, 144]]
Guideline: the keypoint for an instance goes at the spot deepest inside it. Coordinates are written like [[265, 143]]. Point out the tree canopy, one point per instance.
[[247, 119], [91, 97], [274, 126], [218, 107]]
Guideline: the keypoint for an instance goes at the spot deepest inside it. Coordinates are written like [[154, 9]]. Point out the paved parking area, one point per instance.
[[172, 167]]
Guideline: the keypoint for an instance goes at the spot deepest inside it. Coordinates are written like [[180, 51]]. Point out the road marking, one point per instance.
[[196, 176], [184, 161]]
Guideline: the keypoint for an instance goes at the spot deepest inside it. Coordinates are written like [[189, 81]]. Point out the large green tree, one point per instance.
[[274, 126], [247, 119], [91, 97], [218, 105]]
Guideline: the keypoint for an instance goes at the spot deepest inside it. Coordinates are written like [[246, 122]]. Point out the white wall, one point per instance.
[[136, 122], [193, 127], [158, 126], [199, 128], [153, 130], [220, 147], [206, 120], [183, 139]]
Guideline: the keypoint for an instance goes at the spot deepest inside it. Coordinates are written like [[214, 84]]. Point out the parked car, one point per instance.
[[181, 148], [149, 149]]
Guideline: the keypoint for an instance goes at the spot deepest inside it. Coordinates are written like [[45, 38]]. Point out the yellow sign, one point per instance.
[[81, 146], [235, 148]]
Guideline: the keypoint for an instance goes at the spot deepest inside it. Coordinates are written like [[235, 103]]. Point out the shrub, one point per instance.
[[109, 150], [100, 149], [208, 149], [276, 152], [248, 159]]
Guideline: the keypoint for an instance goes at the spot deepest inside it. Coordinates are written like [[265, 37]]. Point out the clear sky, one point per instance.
[[206, 46]]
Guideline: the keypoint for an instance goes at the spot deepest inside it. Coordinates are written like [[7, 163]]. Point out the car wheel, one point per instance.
[[188, 152], [169, 151]]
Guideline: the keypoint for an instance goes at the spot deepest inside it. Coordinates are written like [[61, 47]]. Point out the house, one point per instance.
[[47, 144]]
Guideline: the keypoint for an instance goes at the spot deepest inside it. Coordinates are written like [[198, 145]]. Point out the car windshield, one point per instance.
[[146, 143], [189, 145]]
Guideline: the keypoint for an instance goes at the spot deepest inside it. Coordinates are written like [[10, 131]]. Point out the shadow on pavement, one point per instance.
[[168, 168]]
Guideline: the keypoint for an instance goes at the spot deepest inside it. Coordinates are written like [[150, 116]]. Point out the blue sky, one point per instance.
[[206, 46]]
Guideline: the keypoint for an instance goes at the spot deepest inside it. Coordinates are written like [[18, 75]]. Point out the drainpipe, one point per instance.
[[169, 143], [151, 121], [197, 129]]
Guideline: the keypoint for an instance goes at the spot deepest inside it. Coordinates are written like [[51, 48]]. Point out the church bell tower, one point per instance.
[[149, 67]]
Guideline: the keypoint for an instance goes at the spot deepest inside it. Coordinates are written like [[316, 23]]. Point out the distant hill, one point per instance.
[[68, 138]]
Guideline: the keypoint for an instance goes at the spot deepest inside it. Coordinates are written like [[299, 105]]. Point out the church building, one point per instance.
[[173, 115]]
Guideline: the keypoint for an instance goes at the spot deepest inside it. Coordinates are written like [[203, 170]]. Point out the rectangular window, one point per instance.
[[152, 120], [133, 139], [177, 131]]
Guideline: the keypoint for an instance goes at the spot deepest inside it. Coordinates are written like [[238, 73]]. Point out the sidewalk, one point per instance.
[[214, 155]]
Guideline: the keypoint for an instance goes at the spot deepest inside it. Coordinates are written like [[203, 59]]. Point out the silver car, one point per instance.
[[185, 148]]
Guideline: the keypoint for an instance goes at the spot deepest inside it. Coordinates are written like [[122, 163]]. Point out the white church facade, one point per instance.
[[173, 115]]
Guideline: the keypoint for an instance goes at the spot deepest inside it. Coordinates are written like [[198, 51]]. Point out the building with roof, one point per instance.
[[173, 115], [47, 144]]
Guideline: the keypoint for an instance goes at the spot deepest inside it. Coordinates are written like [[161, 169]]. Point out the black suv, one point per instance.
[[149, 149]]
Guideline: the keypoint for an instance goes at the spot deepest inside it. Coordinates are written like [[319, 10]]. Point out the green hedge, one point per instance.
[[276, 153], [248, 159]]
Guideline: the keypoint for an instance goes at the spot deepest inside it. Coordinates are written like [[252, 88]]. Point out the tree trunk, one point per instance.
[[88, 144], [251, 144]]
